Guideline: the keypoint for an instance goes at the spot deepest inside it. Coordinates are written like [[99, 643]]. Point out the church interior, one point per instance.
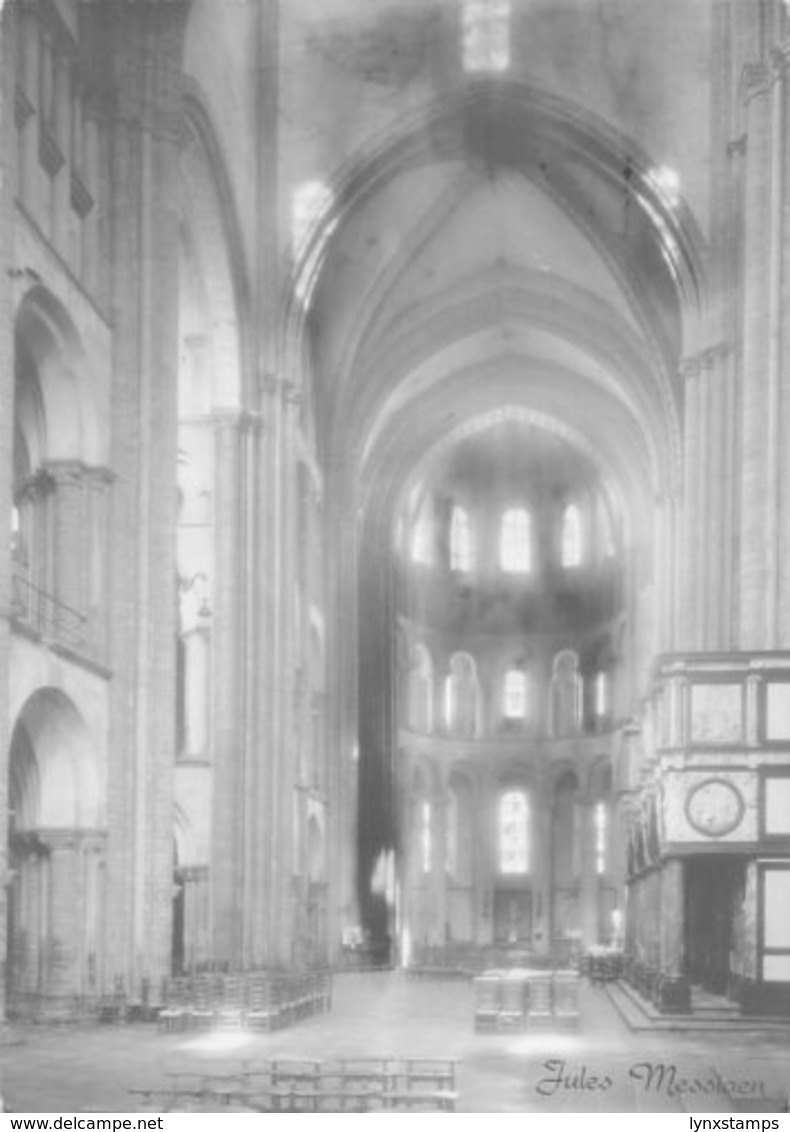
[[393, 404]]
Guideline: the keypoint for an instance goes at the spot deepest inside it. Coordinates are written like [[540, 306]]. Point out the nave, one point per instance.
[[599, 1067]]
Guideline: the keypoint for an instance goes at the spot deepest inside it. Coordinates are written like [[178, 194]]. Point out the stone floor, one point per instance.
[[600, 1067]]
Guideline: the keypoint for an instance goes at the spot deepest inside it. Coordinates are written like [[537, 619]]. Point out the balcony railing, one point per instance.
[[46, 615]]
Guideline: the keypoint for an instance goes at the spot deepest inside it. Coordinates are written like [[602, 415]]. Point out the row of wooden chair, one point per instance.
[[602, 964], [255, 1000], [311, 1085], [514, 1000]]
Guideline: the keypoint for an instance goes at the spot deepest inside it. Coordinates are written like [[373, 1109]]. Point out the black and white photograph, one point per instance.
[[395, 593]]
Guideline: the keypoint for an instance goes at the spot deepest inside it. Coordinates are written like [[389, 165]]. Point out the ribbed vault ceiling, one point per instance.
[[503, 254]]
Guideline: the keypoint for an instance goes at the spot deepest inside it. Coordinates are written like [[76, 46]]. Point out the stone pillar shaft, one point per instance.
[[228, 911], [8, 154], [764, 190]]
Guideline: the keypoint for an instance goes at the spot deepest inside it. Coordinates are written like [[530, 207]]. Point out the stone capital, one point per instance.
[[756, 79], [64, 472], [704, 362], [193, 874], [60, 840]]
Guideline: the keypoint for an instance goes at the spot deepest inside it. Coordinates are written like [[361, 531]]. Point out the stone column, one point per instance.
[[227, 782], [98, 503], [197, 945], [540, 803], [588, 879], [71, 537], [260, 681], [254, 692], [693, 537], [266, 346], [438, 886], [145, 41], [761, 401], [485, 863], [65, 913], [7, 182], [92, 848], [673, 988]]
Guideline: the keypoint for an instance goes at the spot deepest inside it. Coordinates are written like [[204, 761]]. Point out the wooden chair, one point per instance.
[[419, 1100], [539, 999], [174, 1015], [230, 1015], [487, 1000], [201, 1008], [512, 1002], [436, 1073], [260, 1012], [566, 996]]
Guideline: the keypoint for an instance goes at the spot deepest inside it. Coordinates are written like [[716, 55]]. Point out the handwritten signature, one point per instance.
[[650, 1076]]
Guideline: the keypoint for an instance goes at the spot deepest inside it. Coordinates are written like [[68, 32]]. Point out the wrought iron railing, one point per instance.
[[48, 616]]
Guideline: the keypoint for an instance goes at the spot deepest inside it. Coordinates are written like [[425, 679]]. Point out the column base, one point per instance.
[[761, 998], [673, 994]]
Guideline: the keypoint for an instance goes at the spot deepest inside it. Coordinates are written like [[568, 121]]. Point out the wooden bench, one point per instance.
[[437, 1072], [294, 1071], [325, 1098], [372, 1072], [441, 1100]]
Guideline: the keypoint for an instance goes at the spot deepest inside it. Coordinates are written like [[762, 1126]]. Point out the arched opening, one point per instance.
[[56, 858], [60, 501], [468, 380]]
